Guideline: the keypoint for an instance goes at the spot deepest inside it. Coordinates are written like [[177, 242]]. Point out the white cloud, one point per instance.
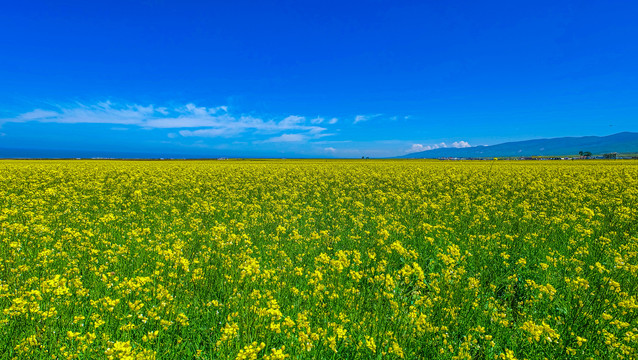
[[421, 147], [211, 132], [37, 114], [189, 120], [287, 138], [292, 121], [333, 121], [416, 148], [399, 118], [100, 113], [461, 144], [200, 110], [330, 149], [360, 118]]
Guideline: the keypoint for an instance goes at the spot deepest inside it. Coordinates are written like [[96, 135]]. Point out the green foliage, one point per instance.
[[318, 259]]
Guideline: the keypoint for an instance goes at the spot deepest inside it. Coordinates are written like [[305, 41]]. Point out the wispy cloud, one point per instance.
[[212, 132], [188, 120], [292, 121], [37, 114], [361, 118], [287, 138], [421, 147], [319, 120], [397, 118]]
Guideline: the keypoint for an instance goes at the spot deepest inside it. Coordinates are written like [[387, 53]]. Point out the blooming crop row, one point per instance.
[[318, 259]]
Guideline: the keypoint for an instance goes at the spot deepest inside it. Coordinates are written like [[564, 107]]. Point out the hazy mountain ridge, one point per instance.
[[624, 142]]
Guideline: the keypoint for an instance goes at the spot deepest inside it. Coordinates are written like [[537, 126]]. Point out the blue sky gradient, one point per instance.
[[312, 78]]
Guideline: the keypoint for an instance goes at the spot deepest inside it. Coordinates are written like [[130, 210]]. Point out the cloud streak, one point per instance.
[[188, 120], [285, 138], [361, 118]]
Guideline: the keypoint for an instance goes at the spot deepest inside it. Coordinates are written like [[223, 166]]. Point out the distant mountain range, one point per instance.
[[624, 142]]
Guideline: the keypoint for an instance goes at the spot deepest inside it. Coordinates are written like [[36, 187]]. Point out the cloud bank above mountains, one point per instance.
[[421, 147]]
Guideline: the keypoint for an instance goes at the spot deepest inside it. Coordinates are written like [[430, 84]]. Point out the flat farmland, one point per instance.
[[305, 259]]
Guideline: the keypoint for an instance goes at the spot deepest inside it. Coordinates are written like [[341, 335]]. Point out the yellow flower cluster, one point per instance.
[[309, 259]]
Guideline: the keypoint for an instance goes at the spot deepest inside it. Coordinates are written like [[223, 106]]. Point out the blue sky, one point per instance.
[[312, 78]]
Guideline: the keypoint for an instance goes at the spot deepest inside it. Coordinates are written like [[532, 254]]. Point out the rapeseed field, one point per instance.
[[318, 259]]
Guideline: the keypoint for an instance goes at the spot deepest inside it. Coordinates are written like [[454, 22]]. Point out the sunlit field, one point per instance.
[[305, 259]]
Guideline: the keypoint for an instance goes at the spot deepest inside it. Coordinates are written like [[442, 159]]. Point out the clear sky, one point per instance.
[[312, 78]]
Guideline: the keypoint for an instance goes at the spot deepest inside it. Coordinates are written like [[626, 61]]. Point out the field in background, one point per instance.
[[318, 259]]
